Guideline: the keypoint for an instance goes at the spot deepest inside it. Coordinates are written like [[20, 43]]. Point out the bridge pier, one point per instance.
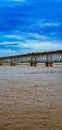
[[1, 62], [33, 64], [33, 58], [51, 64], [13, 63], [47, 64]]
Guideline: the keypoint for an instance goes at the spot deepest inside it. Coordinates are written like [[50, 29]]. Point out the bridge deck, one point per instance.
[[34, 58]]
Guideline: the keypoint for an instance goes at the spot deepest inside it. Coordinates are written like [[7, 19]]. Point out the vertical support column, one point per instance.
[[13, 63], [47, 64], [51, 64], [31, 62], [51, 60], [35, 62], [1, 62], [47, 61]]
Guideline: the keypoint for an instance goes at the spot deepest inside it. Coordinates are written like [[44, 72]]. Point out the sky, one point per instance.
[[30, 26]]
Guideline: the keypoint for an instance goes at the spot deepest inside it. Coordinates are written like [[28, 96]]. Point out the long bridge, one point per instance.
[[49, 58]]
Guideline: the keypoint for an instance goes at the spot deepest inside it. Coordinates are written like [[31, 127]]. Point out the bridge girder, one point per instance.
[[34, 58]]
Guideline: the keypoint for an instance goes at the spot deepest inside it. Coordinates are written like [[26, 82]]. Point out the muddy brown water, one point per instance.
[[30, 98]]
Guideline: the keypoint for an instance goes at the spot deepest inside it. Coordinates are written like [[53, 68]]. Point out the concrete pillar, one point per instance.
[[35, 64], [51, 64], [1, 62], [47, 64], [13, 63], [31, 63]]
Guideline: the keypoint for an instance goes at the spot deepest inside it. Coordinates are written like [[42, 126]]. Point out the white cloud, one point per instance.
[[18, 0], [6, 43], [12, 44], [36, 35], [7, 50], [47, 24], [41, 46], [14, 0], [18, 37], [30, 46], [26, 44], [24, 36]]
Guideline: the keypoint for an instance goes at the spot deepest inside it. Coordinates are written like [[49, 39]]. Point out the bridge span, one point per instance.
[[49, 58]]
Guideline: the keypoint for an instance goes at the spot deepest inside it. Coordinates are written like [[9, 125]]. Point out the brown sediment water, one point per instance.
[[30, 98]]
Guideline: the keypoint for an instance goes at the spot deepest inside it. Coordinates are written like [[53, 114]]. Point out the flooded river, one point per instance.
[[30, 98]]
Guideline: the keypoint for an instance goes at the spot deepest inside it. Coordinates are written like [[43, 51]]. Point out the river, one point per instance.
[[31, 98]]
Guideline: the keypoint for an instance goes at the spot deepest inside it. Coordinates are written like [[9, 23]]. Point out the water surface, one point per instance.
[[30, 98]]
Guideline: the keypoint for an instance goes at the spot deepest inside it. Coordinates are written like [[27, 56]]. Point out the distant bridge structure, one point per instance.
[[49, 58]]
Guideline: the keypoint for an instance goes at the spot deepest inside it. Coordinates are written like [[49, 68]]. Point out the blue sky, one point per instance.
[[30, 26]]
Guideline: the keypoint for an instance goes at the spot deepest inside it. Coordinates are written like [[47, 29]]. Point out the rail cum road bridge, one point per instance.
[[49, 58]]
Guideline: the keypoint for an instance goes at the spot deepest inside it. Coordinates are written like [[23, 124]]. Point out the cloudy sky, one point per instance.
[[30, 26]]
